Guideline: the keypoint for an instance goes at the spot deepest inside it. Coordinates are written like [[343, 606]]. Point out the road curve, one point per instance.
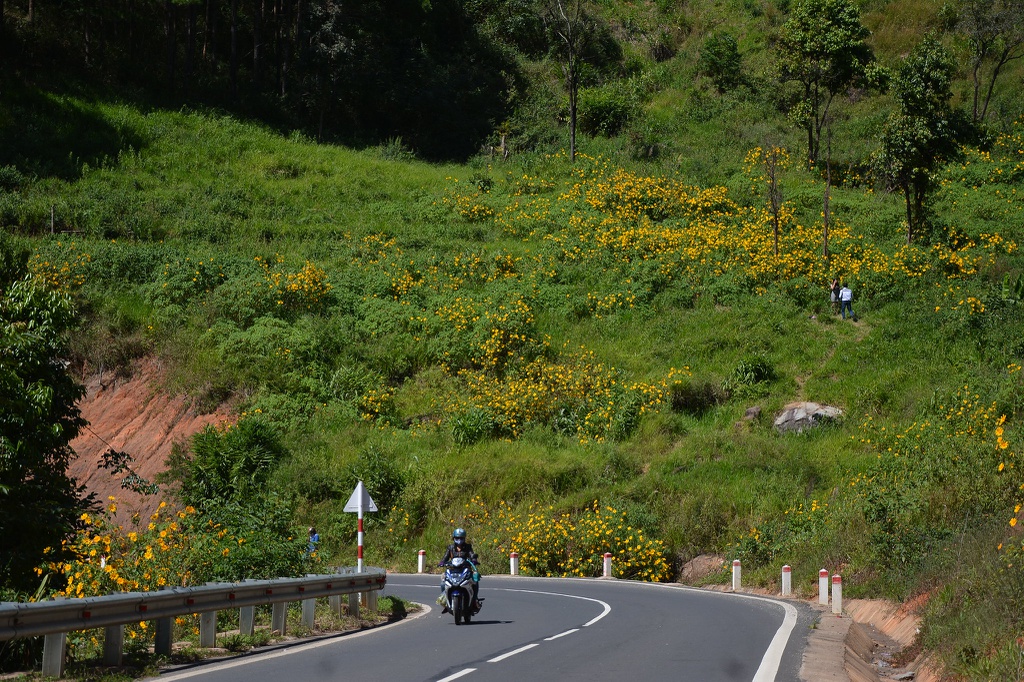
[[538, 628]]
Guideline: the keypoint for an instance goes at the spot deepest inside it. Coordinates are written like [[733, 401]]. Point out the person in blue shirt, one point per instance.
[[314, 540]]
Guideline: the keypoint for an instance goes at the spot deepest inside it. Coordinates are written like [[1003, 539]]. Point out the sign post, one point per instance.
[[360, 502]]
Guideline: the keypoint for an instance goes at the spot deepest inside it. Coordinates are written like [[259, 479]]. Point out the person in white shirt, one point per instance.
[[846, 301]]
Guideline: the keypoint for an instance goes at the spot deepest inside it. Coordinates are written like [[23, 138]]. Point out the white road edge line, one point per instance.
[[607, 608], [511, 653], [258, 657], [772, 659], [457, 675], [561, 634], [773, 656]]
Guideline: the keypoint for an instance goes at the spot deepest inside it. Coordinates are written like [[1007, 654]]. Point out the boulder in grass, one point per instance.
[[802, 416]]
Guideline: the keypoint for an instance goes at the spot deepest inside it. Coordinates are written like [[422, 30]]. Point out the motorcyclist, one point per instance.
[[461, 547]]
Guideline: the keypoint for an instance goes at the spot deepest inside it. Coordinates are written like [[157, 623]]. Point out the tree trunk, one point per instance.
[[977, 87], [190, 48], [908, 194], [826, 214], [573, 92], [131, 31], [257, 43], [1006, 56], [208, 31], [280, 43], [234, 52], [86, 38], [169, 44]]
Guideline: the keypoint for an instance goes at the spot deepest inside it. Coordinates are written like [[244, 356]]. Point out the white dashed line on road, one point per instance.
[[561, 634], [512, 653]]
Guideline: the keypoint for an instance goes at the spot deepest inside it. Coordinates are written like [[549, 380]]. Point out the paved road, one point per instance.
[[548, 629]]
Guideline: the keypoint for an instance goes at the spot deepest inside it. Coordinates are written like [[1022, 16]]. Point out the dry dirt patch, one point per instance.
[[135, 416]]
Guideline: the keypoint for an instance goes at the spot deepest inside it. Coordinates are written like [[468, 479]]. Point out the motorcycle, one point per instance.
[[459, 576]]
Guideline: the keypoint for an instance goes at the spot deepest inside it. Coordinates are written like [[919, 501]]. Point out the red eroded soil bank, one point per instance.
[[135, 416]]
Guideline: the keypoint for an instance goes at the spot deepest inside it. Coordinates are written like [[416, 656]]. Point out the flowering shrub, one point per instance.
[[569, 544], [578, 396], [801, 526], [929, 475], [303, 291], [467, 205], [173, 548], [62, 268]]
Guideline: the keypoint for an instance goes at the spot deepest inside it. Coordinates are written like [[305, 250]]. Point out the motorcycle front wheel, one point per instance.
[[457, 608]]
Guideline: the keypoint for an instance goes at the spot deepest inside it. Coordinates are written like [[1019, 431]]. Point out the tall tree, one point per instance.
[[922, 133], [994, 30], [822, 50], [765, 166], [39, 502], [570, 23]]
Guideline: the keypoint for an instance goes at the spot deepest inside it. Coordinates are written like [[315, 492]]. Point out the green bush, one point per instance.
[[750, 376], [720, 61], [695, 397], [605, 110]]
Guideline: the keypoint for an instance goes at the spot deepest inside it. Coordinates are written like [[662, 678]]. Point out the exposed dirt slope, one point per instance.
[[132, 415]]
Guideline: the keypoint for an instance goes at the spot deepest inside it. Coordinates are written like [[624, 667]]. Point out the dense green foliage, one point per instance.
[[38, 421], [518, 343], [822, 49], [923, 131]]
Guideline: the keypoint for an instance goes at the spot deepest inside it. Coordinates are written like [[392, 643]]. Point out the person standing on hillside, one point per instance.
[[314, 540], [834, 295], [846, 302]]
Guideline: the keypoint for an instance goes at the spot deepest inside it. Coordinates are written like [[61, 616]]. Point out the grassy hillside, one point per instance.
[[559, 356]]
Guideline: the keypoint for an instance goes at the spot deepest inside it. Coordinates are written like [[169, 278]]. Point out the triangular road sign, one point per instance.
[[360, 500]]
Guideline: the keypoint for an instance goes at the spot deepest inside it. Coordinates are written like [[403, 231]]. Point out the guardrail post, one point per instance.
[[247, 620], [787, 580], [421, 560], [335, 601], [208, 629], [53, 654], [113, 645], [837, 594], [823, 586], [607, 572], [353, 604], [308, 612], [279, 617], [736, 575], [513, 563], [371, 600], [164, 635]]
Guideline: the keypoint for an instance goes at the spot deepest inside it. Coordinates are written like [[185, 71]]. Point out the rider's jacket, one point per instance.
[[465, 550]]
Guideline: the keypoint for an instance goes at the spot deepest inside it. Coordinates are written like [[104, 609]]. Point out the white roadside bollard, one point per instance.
[[513, 563], [787, 580], [837, 594], [823, 586], [422, 561], [607, 564], [736, 575]]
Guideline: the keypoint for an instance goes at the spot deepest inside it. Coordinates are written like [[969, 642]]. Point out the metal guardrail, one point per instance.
[[65, 615], [55, 618]]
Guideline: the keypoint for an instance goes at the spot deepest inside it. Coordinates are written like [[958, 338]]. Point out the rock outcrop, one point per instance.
[[802, 416]]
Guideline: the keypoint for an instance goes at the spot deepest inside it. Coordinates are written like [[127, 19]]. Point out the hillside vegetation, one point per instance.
[[558, 354]]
